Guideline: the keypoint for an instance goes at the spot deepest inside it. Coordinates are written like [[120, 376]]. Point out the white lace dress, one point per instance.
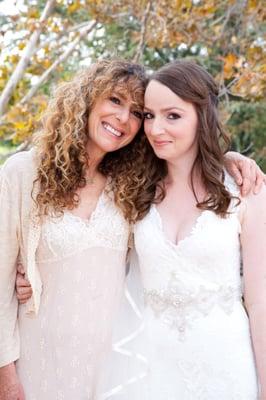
[[193, 342], [82, 266]]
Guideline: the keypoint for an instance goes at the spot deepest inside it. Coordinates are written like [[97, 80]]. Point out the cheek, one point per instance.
[[147, 127], [187, 131]]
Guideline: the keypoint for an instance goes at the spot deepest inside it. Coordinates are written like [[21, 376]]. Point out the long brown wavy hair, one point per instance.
[[61, 145], [194, 84]]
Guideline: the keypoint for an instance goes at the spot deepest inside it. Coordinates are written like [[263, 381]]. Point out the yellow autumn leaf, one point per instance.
[[255, 53], [262, 68], [46, 63], [21, 45], [33, 13], [14, 58], [3, 72], [229, 64], [21, 125], [252, 4], [73, 7]]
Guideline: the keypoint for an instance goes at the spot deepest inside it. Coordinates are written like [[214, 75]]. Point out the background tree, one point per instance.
[[227, 37]]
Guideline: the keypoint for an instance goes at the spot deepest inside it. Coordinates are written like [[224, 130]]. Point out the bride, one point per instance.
[[198, 340]]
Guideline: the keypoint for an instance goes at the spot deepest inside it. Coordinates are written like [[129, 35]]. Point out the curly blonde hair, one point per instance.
[[61, 145]]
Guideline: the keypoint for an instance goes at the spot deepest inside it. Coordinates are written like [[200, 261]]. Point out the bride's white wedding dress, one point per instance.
[[193, 341]]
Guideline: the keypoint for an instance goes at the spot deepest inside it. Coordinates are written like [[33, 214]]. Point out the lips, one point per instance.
[[113, 131], [161, 142]]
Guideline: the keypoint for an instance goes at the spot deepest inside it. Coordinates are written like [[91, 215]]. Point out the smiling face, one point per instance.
[[170, 123], [113, 123]]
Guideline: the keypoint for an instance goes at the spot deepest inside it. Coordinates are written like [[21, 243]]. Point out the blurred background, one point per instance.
[[44, 42]]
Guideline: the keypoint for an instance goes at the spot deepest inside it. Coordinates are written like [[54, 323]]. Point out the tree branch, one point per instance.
[[144, 21], [21, 147], [61, 34], [62, 58], [25, 58]]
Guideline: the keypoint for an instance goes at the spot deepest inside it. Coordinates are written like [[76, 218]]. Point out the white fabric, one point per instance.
[[19, 236], [195, 338], [82, 268]]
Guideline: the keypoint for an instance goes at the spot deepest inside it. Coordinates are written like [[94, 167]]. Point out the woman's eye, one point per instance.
[[174, 116], [147, 115], [138, 114], [115, 100]]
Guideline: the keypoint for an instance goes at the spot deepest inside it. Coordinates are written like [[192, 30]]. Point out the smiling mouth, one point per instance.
[[112, 130]]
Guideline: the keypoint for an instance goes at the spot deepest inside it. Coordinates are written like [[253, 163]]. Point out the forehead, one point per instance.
[[130, 91], [159, 96]]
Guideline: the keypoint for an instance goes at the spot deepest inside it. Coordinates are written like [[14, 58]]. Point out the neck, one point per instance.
[[179, 171], [92, 169], [95, 158]]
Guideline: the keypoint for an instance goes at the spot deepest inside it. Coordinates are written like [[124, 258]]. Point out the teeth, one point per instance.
[[110, 129]]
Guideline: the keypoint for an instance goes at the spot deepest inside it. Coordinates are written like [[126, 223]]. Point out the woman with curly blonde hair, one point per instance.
[[66, 210], [58, 215]]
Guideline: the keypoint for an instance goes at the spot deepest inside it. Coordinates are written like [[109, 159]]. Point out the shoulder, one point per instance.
[[257, 201], [254, 207], [20, 165]]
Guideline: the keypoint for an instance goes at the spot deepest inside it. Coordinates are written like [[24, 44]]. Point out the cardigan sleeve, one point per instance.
[[9, 249]]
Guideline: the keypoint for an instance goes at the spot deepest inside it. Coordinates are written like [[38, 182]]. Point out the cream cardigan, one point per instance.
[[19, 237]]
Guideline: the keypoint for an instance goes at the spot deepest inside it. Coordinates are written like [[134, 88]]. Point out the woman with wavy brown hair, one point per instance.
[[66, 209], [198, 340]]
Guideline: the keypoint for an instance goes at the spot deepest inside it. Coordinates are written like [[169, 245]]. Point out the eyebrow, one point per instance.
[[167, 108], [125, 98], [117, 93]]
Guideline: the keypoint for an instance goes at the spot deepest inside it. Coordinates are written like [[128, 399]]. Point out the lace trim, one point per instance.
[[179, 309], [71, 234]]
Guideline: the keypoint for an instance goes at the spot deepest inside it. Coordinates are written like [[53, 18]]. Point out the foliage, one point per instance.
[[247, 124], [226, 36]]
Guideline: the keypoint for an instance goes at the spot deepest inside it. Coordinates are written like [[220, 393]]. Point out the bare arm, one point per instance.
[[253, 239], [10, 387]]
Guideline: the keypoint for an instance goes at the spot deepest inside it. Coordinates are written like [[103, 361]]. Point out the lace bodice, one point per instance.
[[71, 234], [186, 280]]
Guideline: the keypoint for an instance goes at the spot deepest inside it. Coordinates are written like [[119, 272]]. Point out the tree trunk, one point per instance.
[[144, 21], [25, 58]]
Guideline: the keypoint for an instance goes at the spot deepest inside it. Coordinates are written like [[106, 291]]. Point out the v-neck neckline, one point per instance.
[[95, 211], [188, 237]]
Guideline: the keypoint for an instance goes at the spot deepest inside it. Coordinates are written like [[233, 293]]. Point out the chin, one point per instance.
[[110, 148], [162, 155]]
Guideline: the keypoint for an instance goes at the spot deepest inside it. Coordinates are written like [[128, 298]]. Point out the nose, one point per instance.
[[123, 114], [156, 126]]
